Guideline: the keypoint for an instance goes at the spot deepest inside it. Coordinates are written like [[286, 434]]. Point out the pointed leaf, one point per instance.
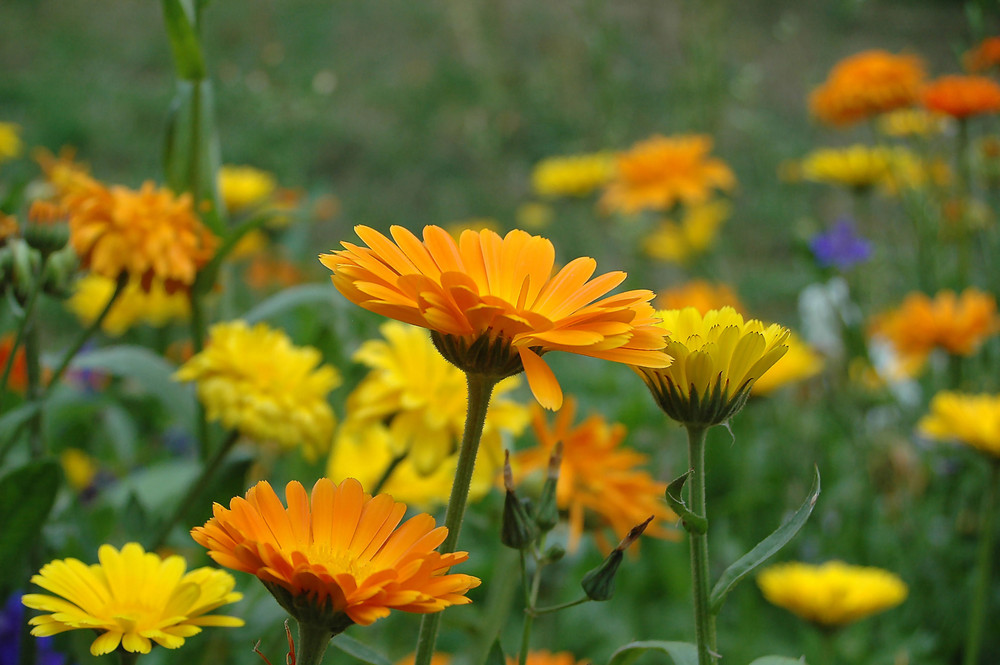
[[496, 656], [11, 422], [184, 40], [362, 652], [693, 522], [26, 497], [779, 660], [764, 550], [304, 294], [682, 653]]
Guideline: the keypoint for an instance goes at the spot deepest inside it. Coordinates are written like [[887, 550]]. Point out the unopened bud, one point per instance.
[[548, 508], [599, 583], [60, 270], [24, 267], [518, 529], [554, 553], [47, 238]]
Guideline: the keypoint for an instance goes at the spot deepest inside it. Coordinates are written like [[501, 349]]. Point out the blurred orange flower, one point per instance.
[[18, 378], [600, 480], [866, 84], [493, 305], [985, 55], [957, 324], [962, 96], [662, 171], [266, 271], [700, 294]]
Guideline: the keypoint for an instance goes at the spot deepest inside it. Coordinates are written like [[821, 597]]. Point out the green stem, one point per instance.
[[396, 461], [197, 345], [704, 621], [196, 488], [828, 646], [313, 641], [480, 390], [984, 561], [26, 315], [964, 239], [561, 606], [36, 441], [128, 657]]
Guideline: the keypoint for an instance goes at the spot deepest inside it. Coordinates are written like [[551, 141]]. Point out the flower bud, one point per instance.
[[554, 553], [599, 583], [518, 529], [60, 270], [548, 510], [24, 266]]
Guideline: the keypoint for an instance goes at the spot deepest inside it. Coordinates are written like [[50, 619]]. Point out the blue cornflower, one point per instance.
[[840, 247], [11, 622]]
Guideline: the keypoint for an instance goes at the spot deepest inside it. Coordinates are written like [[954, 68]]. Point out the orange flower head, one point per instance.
[[662, 171], [601, 482], [17, 378], [984, 56], [865, 85], [335, 557], [956, 323], [147, 233], [493, 305], [962, 96]]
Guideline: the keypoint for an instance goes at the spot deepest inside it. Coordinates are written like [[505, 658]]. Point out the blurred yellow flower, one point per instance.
[[911, 122], [155, 306], [252, 243], [10, 141], [867, 84], [601, 482], [256, 381], [717, 358], [681, 242], [244, 187], [661, 171], [700, 294], [962, 96], [574, 175], [970, 419], [832, 594], [855, 166], [79, 468], [534, 215], [476, 224], [131, 598], [800, 362]]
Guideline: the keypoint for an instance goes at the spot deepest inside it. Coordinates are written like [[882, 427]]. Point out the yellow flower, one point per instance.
[[911, 122], [855, 166], [10, 141], [135, 305], [132, 598], [865, 85], [717, 358], [700, 294], [150, 233], [79, 468], [957, 324], [255, 381], [493, 305], [599, 479], [476, 224], [574, 175], [244, 187], [679, 243], [422, 400], [336, 557], [832, 594], [970, 419], [800, 362], [661, 171], [533, 215], [251, 244]]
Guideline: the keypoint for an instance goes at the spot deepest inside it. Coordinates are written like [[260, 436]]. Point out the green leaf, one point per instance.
[[496, 657], [682, 653], [11, 421], [693, 523], [26, 498], [304, 294], [764, 550], [779, 660], [184, 42], [362, 652]]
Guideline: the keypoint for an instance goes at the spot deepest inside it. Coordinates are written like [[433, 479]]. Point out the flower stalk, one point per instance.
[[313, 641], [984, 567], [704, 620]]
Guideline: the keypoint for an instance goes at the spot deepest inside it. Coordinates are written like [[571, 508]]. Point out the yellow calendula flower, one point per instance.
[[800, 362], [245, 187], [132, 598], [717, 358], [153, 306], [832, 594], [681, 242], [970, 419], [700, 294], [79, 468], [256, 381], [574, 175], [10, 141], [911, 122], [858, 166], [534, 215]]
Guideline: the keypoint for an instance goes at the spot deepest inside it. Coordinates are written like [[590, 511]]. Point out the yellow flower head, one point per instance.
[[855, 166], [697, 230], [574, 175], [244, 187], [662, 171], [150, 233], [255, 381], [601, 482], [717, 358], [10, 141], [132, 598], [970, 419], [956, 323], [800, 362], [534, 215], [865, 85], [832, 594], [493, 305], [911, 122], [154, 306], [700, 294], [79, 468], [336, 557]]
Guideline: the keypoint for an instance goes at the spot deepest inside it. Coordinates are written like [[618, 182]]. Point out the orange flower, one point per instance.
[[700, 294], [18, 378], [493, 305], [865, 85], [543, 657], [661, 171], [266, 271], [147, 233], [336, 558], [962, 96], [985, 56], [958, 324], [599, 479]]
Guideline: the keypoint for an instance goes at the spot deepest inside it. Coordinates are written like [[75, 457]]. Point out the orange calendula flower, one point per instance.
[[147, 233], [962, 96], [601, 481], [700, 294], [493, 305], [867, 84], [984, 56], [956, 323], [662, 171], [17, 378], [335, 557]]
